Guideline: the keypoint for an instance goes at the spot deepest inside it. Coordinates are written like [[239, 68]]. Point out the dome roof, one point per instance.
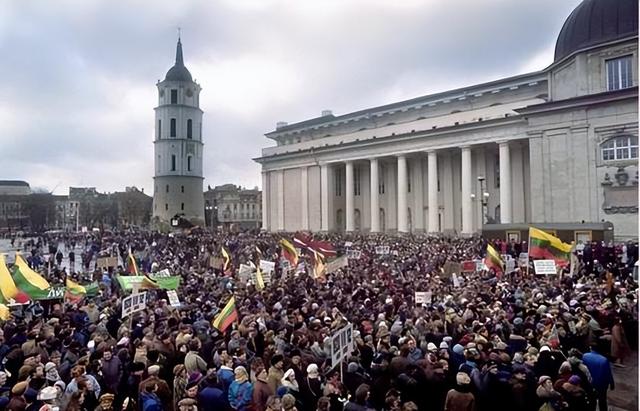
[[595, 22], [178, 72]]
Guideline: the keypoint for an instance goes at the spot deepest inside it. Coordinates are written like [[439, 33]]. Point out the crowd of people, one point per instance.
[[486, 341]]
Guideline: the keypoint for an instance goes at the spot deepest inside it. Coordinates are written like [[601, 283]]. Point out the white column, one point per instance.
[[265, 200], [375, 203], [281, 200], [432, 176], [467, 209], [505, 183], [349, 203], [402, 194], [324, 197], [304, 180]]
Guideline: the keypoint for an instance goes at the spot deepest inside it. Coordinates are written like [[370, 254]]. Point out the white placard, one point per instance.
[[348, 244], [354, 254], [266, 278], [161, 274], [545, 267], [341, 344], [382, 249], [174, 301], [456, 280], [509, 263], [523, 259], [134, 303], [480, 265], [423, 297], [267, 266]]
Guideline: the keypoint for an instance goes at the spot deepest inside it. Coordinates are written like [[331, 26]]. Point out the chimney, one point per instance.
[[281, 124], [142, 190], [326, 113]]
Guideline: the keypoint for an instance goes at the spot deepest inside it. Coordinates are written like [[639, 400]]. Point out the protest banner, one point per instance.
[[107, 262], [545, 267], [267, 266], [133, 304], [244, 272], [161, 274], [341, 344], [336, 264], [382, 249], [423, 297], [354, 254], [456, 280], [174, 301]]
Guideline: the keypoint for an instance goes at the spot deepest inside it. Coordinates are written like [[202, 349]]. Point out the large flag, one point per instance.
[[543, 245], [27, 280], [5, 314], [227, 316], [319, 267], [289, 252], [493, 260], [76, 292], [227, 259], [323, 248], [132, 266], [8, 291]]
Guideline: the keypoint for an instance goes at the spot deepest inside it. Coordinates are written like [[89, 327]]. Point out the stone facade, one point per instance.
[[534, 148], [232, 207]]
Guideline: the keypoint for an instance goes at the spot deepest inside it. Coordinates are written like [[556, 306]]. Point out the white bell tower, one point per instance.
[[178, 147]]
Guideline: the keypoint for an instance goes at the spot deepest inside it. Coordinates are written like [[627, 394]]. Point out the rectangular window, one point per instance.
[[174, 96], [173, 127], [166, 206], [189, 128], [173, 162], [619, 73], [496, 174], [381, 178], [182, 206], [159, 129], [182, 189], [408, 178], [356, 181], [189, 163], [167, 188], [338, 182]]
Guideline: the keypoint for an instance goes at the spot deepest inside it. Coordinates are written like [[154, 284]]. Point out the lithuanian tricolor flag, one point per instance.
[[289, 252], [27, 280], [8, 290], [227, 259], [493, 260], [132, 266], [543, 245], [319, 267], [227, 316]]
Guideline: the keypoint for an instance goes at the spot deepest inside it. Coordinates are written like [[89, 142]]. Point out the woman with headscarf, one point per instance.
[[179, 383], [241, 390]]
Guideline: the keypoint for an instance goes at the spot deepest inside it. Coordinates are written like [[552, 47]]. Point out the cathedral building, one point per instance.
[[555, 147]]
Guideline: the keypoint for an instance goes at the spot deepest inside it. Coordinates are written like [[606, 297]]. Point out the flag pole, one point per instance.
[[528, 251]]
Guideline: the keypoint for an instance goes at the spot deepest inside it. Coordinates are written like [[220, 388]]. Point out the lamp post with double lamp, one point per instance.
[[209, 210], [484, 199]]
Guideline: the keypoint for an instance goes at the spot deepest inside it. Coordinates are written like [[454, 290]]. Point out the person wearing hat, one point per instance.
[[211, 397], [162, 390], [261, 389], [600, 370], [106, 402], [111, 370], [150, 400], [276, 372], [241, 390], [188, 404], [193, 361], [179, 383], [460, 398], [311, 388], [17, 401], [551, 399], [575, 395], [225, 373]]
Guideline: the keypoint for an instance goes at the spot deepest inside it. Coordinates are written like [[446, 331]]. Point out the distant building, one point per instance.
[[134, 207], [233, 207], [14, 187]]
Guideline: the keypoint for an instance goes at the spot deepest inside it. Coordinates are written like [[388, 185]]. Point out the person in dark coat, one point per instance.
[[459, 398], [212, 397]]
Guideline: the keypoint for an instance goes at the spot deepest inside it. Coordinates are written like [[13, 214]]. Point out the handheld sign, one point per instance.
[[133, 304], [545, 267], [423, 297]]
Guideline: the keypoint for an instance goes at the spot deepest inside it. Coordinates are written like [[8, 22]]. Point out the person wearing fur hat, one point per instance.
[[179, 383], [460, 398], [106, 402], [261, 390], [574, 395], [162, 391], [276, 372], [311, 387], [550, 399], [241, 390]]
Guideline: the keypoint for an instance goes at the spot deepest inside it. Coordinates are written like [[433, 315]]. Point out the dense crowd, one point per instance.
[[514, 341]]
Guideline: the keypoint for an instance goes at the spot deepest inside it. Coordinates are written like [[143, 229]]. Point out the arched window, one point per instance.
[[189, 128], [173, 127], [620, 148]]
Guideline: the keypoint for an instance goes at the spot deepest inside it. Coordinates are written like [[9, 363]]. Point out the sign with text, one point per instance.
[[382, 249], [106, 262], [545, 267], [354, 254], [423, 297], [161, 274], [267, 266], [133, 304], [341, 344], [174, 301], [523, 259]]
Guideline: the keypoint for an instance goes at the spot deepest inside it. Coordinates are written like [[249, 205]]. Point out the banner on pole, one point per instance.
[[545, 267], [341, 344], [133, 304], [174, 301]]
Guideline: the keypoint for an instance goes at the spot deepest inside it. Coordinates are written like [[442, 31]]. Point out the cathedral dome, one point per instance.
[[596, 22], [178, 72]]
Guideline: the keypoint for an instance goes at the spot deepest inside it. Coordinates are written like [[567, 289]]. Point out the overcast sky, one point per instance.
[[78, 77]]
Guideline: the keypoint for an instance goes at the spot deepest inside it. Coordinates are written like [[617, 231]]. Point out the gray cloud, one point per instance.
[[79, 77]]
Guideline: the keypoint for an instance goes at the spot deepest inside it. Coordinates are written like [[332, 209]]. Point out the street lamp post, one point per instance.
[[484, 199], [209, 209]]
